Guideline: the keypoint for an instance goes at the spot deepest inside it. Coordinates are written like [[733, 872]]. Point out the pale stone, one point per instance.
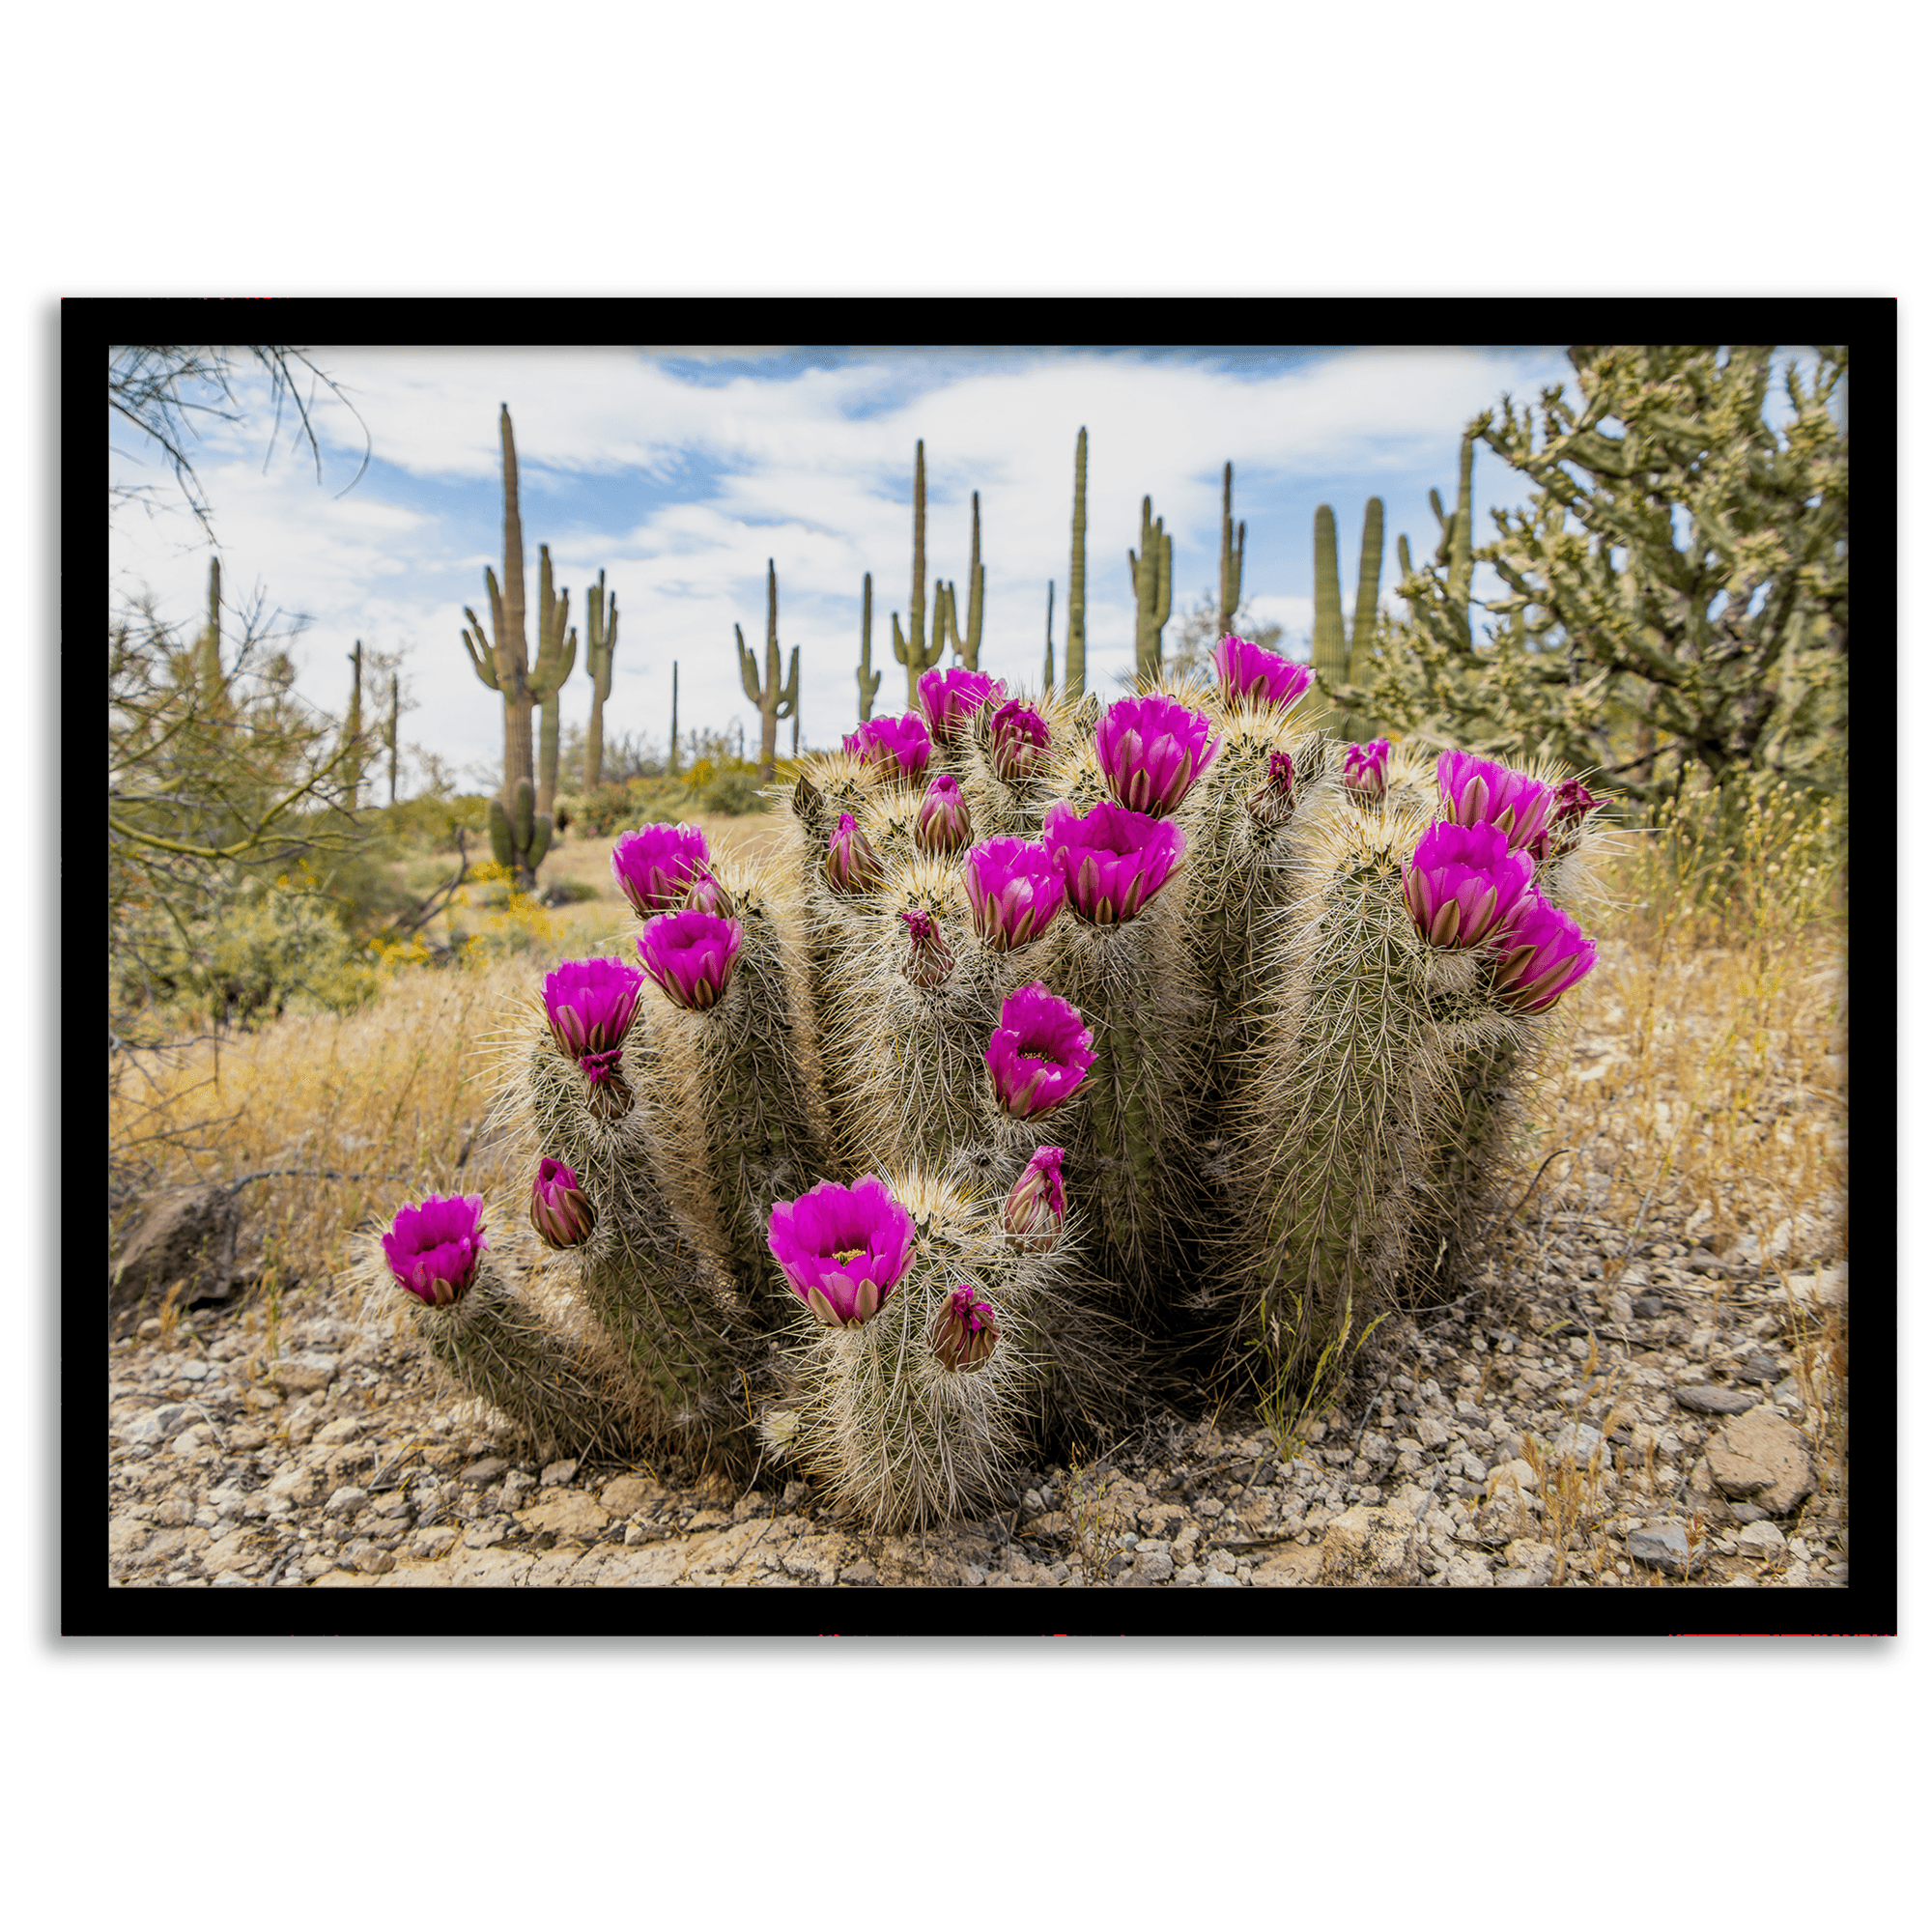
[[1367, 1545]]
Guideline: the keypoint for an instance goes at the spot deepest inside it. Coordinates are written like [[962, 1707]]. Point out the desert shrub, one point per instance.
[[733, 792]]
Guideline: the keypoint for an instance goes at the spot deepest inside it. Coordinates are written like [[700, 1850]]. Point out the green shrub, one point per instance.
[[734, 792]]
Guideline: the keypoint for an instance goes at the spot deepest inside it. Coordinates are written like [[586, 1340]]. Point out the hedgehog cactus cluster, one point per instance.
[[1063, 1057]]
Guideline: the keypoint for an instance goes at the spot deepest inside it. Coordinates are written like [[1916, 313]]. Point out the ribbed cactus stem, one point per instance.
[[911, 647], [1046, 673], [209, 654], [673, 719], [1233, 553], [389, 739], [869, 678], [600, 647], [1330, 654], [352, 727], [775, 700], [1362, 643], [1151, 576], [1077, 579]]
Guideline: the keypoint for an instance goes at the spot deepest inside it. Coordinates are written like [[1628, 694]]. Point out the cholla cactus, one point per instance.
[[1058, 1056]]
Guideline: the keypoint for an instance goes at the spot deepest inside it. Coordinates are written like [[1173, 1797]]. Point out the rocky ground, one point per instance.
[[1595, 1414]]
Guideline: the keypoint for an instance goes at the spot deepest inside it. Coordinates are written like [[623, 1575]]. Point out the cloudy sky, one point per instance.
[[678, 472]]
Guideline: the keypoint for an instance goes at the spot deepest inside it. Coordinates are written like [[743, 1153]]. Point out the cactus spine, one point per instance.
[[869, 678], [945, 612], [499, 658], [1077, 579], [773, 699], [600, 647], [1151, 575], [1046, 674], [910, 647], [1233, 553]]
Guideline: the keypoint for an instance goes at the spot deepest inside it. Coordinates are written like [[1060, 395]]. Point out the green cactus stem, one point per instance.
[[773, 699], [352, 727], [1077, 579], [869, 678], [1234, 554], [208, 646], [673, 719], [1152, 576], [556, 655], [910, 647], [1330, 652], [600, 647], [390, 728], [945, 615], [1046, 674], [1362, 642]]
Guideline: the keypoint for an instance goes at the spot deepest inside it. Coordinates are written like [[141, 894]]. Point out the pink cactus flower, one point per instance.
[[843, 1249], [1542, 954], [1476, 792], [691, 956], [929, 959], [1151, 750], [1365, 769], [944, 822], [949, 698], [1251, 673], [902, 743], [965, 1333], [432, 1247], [1463, 882], [1272, 802], [589, 1003], [1036, 1209], [851, 866], [560, 1211], [1114, 860], [1574, 802], [1039, 1052], [1020, 740], [1015, 890], [655, 865]]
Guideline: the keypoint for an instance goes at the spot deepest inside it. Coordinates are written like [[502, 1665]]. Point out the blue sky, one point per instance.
[[679, 471]]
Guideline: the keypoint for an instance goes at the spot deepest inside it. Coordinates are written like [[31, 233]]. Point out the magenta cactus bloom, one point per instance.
[[965, 1333], [1015, 890], [843, 1249], [655, 865], [949, 698], [1039, 1052], [1020, 740], [589, 1003], [432, 1247], [853, 743], [1477, 791], [944, 822], [1114, 860], [929, 959], [1151, 750], [1574, 802], [1252, 671], [1365, 769], [560, 1211], [706, 895], [1036, 1209], [902, 742], [1463, 882], [691, 956], [1542, 954], [851, 866], [1272, 802]]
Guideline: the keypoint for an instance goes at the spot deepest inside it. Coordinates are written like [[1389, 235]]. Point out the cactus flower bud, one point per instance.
[[900, 744], [1036, 1209], [1574, 802], [965, 1333], [560, 1211], [1272, 803], [851, 866], [1253, 673], [1016, 889], [950, 697], [1365, 770], [1020, 740], [691, 956], [1463, 882], [655, 865], [1114, 860], [842, 1250], [1542, 954], [929, 959], [706, 895], [1476, 792], [432, 1247], [1151, 750], [944, 822], [1039, 1052]]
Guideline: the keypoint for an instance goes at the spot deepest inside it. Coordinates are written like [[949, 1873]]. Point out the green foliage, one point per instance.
[[1675, 592]]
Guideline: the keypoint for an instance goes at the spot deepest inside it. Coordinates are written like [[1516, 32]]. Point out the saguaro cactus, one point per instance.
[[1233, 553], [352, 727], [557, 654], [390, 728], [910, 647], [945, 613], [1362, 640], [1456, 552], [674, 718], [499, 658], [773, 699], [1046, 675], [1151, 575], [600, 647], [869, 678], [208, 648], [1077, 579]]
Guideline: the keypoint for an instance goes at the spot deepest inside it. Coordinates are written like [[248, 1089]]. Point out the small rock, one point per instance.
[[858, 1572], [1707, 1401], [347, 1497], [1369, 1545], [570, 1513], [1662, 1544], [1760, 1456], [1529, 1565], [1646, 1308], [487, 1471], [1576, 1442], [710, 1519], [1758, 1367], [1824, 1290], [186, 1235], [1761, 1539], [1153, 1565], [753, 1502], [557, 1473]]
